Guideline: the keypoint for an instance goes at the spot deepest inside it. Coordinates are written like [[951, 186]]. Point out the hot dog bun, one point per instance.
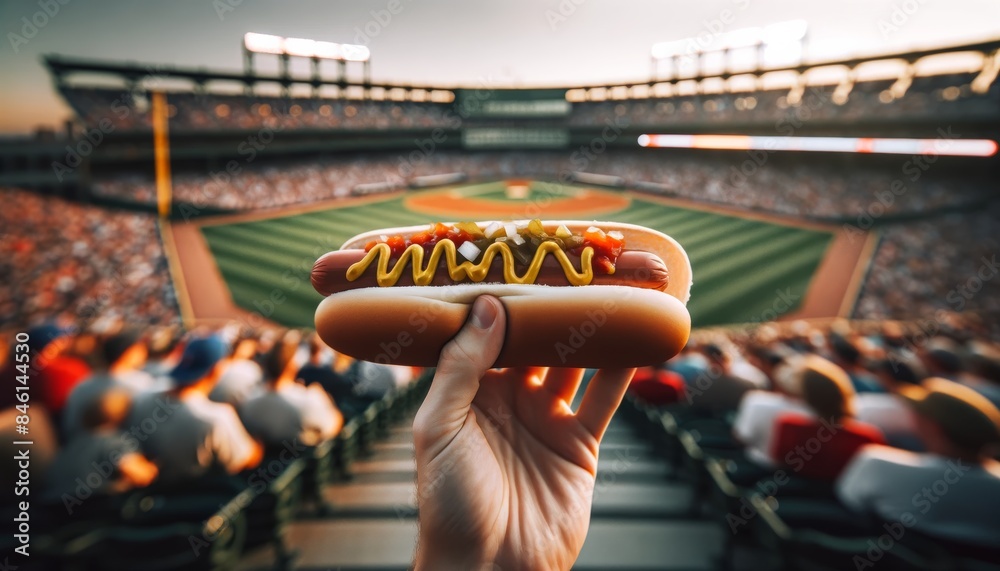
[[596, 326]]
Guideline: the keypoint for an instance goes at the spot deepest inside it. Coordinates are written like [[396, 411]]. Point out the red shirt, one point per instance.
[[657, 388], [817, 449], [57, 380]]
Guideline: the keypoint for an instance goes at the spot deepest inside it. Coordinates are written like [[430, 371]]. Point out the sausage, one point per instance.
[[633, 268]]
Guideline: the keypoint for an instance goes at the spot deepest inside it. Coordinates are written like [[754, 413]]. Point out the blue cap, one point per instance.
[[200, 356], [40, 336]]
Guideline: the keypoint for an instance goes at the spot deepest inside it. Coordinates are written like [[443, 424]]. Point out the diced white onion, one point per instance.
[[521, 224], [492, 229], [470, 251], [517, 239], [563, 232], [616, 235], [593, 229], [383, 238], [510, 229]]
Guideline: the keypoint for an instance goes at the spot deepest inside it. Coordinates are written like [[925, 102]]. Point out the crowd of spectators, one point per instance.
[[866, 416], [948, 97], [130, 110], [944, 263], [122, 408], [63, 259], [743, 180]]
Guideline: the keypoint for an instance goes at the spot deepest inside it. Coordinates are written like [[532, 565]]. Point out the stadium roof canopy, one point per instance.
[[61, 66]]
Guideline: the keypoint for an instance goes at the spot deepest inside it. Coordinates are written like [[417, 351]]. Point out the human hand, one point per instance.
[[505, 468]]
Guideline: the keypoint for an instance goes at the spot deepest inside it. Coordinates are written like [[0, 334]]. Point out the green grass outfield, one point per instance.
[[740, 265]]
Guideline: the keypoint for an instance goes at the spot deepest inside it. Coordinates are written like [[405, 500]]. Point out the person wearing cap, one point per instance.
[[756, 415], [818, 446], [122, 354], [287, 411], [187, 435], [950, 492]]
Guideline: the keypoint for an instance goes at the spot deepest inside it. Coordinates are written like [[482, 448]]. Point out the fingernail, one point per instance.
[[484, 313]]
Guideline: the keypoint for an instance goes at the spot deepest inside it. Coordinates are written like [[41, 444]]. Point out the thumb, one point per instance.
[[463, 362]]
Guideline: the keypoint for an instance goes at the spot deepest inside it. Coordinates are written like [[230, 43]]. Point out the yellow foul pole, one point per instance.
[[161, 152]]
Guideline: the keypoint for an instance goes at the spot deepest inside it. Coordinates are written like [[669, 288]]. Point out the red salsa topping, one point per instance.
[[522, 238]]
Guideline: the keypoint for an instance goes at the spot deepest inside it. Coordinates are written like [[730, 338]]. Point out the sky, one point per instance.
[[446, 42]]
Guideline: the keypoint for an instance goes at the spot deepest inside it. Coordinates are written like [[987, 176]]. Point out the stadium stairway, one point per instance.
[[642, 518]]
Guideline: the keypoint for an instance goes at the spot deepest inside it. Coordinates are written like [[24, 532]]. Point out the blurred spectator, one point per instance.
[[758, 411], [847, 355], [657, 387], [961, 429], [102, 453], [985, 363], [241, 376], [163, 351], [888, 410], [122, 356], [319, 369], [192, 437], [287, 411], [819, 445], [53, 369], [718, 390]]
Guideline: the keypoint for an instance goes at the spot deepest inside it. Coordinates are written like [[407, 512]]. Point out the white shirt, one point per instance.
[[889, 413], [240, 380], [744, 370], [943, 498], [755, 418]]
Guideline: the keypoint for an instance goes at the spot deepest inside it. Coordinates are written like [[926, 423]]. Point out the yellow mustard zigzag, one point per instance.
[[423, 275]]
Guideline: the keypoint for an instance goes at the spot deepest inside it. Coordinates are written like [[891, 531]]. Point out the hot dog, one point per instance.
[[576, 294]]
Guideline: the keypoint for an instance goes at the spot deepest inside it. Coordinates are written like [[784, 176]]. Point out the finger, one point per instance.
[[601, 399], [532, 375], [563, 382], [462, 364]]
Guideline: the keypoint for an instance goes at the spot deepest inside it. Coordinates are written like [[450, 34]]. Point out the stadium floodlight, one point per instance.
[[264, 43], [351, 52], [299, 47], [742, 38], [785, 32], [328, 50], [889, 146]]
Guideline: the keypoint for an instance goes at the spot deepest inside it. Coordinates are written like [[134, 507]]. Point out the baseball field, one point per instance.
[[747, 267]]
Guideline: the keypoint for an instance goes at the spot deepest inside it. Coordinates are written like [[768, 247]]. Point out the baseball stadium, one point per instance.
[[170, 403]]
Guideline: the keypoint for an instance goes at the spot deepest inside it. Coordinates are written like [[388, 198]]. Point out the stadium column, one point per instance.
[[161, 152]]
